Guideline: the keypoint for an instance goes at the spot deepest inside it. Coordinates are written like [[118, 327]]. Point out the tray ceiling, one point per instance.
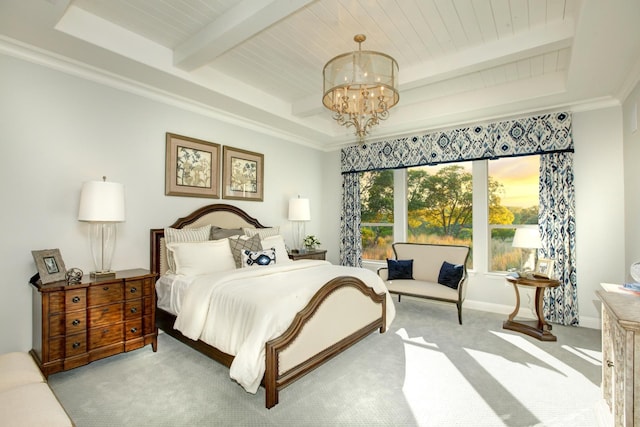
[[259, 63]]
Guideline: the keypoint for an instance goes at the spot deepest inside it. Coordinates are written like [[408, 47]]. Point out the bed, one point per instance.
[[340, 306]]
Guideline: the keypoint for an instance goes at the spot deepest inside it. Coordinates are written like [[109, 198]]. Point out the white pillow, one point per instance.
[[262, 232], [196, 258], [277, 242], [174, 235]]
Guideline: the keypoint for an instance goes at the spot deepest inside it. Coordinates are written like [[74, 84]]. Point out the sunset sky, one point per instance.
[[518, 175]]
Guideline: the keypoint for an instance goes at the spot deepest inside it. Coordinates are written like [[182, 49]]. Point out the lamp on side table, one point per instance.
[[102, 205]]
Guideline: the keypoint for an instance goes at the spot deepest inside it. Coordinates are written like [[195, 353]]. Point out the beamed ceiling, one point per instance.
[[258, 63]]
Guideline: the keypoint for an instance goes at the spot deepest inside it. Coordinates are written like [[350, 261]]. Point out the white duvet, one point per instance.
[[238, 311]]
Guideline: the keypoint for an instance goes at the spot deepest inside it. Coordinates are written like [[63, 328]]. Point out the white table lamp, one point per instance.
[[299, 213], [527, 238], [102, 205]]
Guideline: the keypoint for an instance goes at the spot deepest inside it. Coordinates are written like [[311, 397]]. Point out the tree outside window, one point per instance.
[[440, 204], [376, 198]]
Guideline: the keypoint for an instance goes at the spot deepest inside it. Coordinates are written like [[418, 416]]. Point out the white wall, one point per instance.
[[631, 178], [59, 131]]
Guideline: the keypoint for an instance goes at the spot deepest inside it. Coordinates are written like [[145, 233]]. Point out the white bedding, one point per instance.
[[238, 311]]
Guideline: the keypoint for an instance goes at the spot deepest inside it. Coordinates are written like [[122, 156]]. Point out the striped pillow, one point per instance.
[[262, 232], [181, 235]]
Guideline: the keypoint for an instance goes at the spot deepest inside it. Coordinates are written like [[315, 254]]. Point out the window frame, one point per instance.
[[481, 234]]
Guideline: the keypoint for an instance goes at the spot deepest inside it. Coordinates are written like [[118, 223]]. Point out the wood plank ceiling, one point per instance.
[[456, 57]]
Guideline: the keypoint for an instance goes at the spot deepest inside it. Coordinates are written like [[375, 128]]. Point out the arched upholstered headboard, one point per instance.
[[219, 214]]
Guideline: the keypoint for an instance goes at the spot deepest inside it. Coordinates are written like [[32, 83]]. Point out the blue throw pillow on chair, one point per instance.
[[450, 274], [400, 269]]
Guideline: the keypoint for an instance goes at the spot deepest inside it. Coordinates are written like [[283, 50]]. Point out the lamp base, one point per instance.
[[100, 275]]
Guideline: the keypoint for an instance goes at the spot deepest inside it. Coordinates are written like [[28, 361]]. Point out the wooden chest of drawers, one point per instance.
[[77, 324]]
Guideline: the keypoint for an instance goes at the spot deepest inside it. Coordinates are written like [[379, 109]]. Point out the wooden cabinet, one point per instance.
[[621, 356], [314, 254], [79, 323]]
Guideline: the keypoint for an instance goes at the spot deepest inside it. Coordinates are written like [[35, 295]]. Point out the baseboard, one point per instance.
[[585, 322]]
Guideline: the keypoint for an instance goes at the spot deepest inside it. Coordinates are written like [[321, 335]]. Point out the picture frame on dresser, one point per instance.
[[50, 265], [192, 167], [242, 174]]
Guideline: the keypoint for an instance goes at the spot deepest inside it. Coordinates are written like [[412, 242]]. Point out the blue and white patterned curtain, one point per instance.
[[350, 240], [556, 220], [520, 137]]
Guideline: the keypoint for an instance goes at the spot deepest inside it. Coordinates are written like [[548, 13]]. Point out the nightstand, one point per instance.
[[78, 323], [314, 254]]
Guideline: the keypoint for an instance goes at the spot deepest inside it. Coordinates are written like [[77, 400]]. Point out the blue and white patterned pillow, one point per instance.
[[258, 258]]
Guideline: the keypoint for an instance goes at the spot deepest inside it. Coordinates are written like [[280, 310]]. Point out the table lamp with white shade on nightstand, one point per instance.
[[102, 206], [299, 213]]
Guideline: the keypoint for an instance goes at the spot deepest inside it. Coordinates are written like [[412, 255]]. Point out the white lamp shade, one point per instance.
[[299, 210], [528, 238], [101, 201]]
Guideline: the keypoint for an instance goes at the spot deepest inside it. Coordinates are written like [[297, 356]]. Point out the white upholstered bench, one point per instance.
[[25, 396], [427, 262]]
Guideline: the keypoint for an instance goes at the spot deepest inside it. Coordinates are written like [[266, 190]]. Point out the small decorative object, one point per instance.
[[242, 174], [191, 167], [544, 268], [635, 271], [74, 275], [50, 265], [310, 242]]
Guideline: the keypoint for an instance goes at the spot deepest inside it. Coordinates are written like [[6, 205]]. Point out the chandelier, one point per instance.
[[360, 87]]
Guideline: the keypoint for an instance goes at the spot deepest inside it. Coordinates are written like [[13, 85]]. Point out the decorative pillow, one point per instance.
[[400, 269], [218, 233], [176, 235], [241, 243], [450, 274], [258, 258], [277, 242], [263, 232], [196, 258]]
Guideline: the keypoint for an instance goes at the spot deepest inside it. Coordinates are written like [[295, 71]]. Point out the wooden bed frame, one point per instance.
[[342, 312]]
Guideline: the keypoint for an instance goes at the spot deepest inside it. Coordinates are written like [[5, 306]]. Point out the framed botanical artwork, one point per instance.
[[192, 167], [50, 265], [242, 174], [544, 268]]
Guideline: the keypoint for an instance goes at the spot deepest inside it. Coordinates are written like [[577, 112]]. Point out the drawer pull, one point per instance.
[[134, 310], [106, 288], [105, 310], [105, 331], [76, 344], [609, 364], [134, 290], [76, 322], [75, 299], [134, 330]]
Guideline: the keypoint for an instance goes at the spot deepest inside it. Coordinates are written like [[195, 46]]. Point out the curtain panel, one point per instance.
[[350, 236], [556, 219], [519, 137]]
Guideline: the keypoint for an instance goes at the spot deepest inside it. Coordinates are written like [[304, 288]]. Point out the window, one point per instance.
[[513, 203], [440, 204], [376, 198]]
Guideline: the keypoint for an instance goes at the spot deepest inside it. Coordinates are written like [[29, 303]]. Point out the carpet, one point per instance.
[[427, 370]]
